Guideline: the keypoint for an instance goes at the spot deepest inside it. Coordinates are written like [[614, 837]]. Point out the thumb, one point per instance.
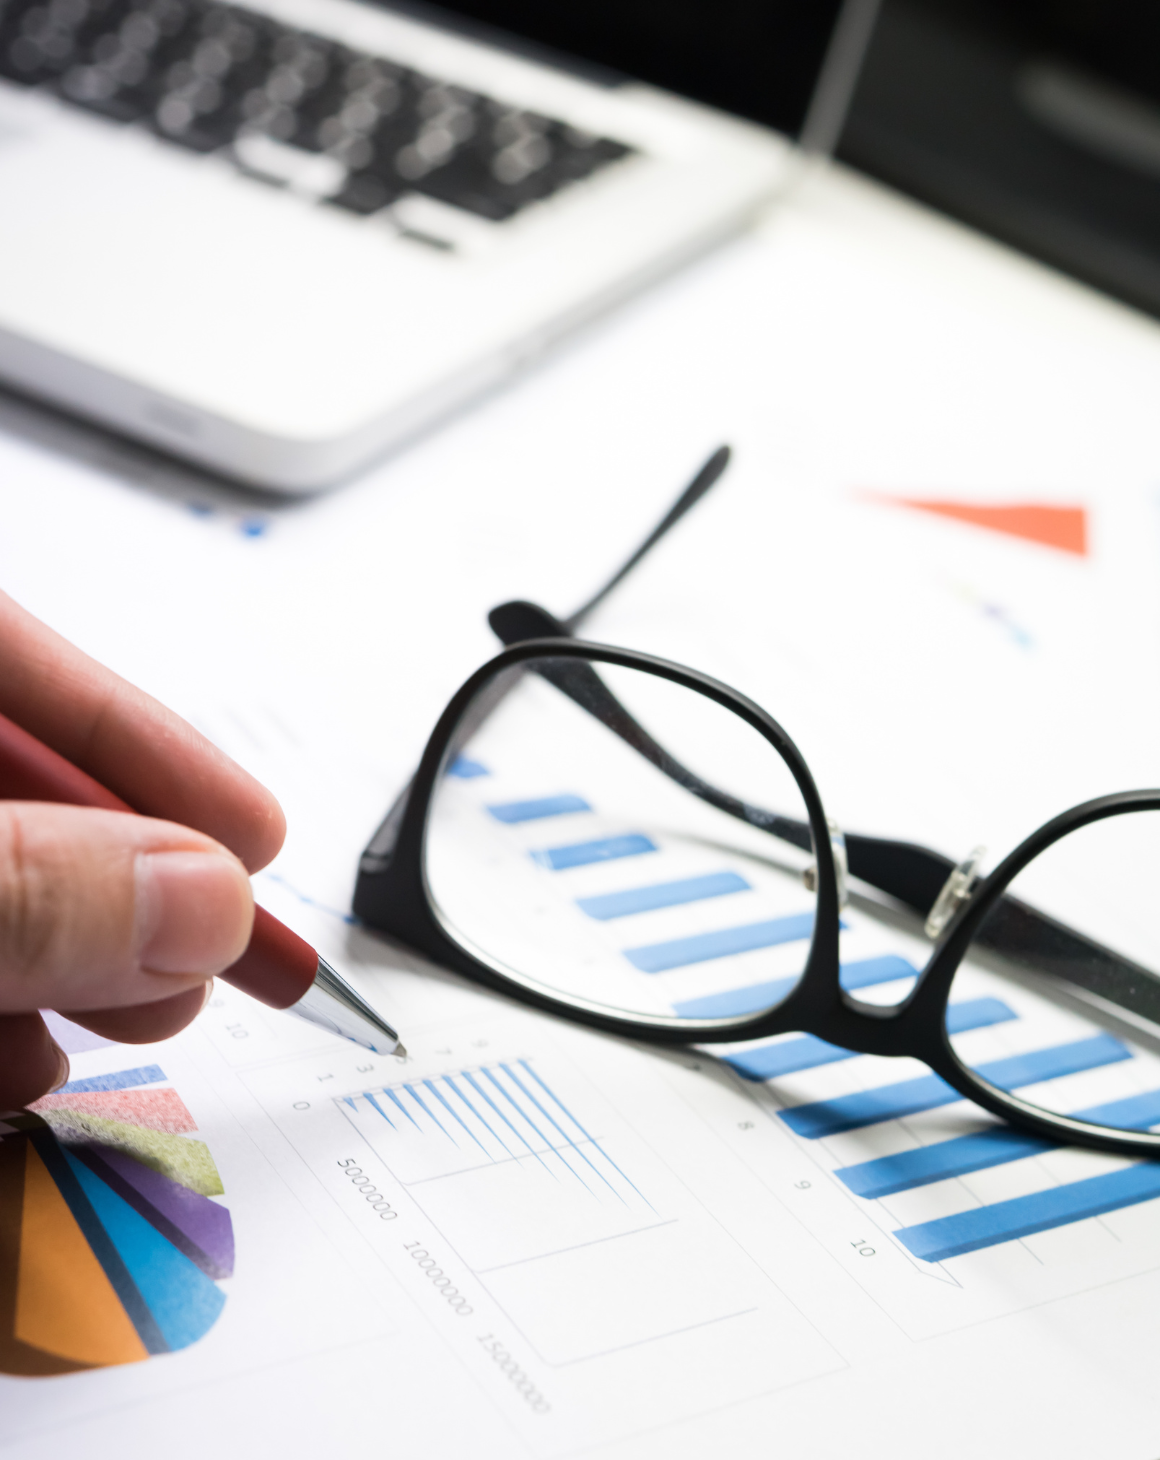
[[102, 909]]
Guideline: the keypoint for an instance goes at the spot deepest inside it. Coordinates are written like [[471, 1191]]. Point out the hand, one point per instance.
[[117, 921]]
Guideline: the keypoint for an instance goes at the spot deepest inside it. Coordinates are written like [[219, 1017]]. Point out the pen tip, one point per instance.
[[400, 1050]]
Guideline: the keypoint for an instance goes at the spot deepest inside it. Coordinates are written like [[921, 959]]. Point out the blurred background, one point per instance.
[[1035, 120]]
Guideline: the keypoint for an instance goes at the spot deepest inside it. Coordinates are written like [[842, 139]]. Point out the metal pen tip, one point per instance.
[[331, 1003]]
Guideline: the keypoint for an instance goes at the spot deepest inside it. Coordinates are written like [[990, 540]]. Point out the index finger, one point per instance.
[[133, 745]]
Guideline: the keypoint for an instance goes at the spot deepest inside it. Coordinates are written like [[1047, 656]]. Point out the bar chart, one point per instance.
[[555, 1207], [485, 1117], [697, 934]]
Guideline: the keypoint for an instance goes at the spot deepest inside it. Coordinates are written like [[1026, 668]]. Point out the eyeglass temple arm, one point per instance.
[[378, 851], [1025, 936], [713, 469], [910, 873], [515, 622]]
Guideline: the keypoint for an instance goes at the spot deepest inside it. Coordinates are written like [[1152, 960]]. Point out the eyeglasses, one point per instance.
[[633, 845]]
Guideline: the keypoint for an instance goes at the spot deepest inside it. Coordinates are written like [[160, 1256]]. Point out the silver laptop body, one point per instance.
[[278, 237]]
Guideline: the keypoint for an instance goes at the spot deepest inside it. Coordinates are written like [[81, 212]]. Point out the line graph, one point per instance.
[[500, 1113]]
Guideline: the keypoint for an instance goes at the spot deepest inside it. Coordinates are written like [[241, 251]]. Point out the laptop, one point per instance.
[[278, 237]]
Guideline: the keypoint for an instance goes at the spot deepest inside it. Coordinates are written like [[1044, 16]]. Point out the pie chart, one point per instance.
[[111, 1243]]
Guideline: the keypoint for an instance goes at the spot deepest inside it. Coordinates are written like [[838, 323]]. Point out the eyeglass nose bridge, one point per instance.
[[841, 1018]]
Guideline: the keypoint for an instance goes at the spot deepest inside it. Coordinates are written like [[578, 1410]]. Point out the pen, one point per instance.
[[279, 968]]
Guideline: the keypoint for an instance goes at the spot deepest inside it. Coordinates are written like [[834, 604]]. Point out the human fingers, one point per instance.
[[125, 739], [30, 1061], [103, 909], [145, 1023]]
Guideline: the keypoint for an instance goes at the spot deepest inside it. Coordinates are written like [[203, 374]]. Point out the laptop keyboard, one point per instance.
[[350, 128]]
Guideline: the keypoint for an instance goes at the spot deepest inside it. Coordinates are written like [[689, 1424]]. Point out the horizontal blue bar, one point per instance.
[[964, 1154], [661, 894], [1134, 1112], [977, 1014], [860, 974], [768, 1061], [908, 1097], [660, 957], [583, 854], [512, 812], [939, 1162], [119, 1080], [466, 769], [869, 971], [1054, 1063], [1004, 1221]]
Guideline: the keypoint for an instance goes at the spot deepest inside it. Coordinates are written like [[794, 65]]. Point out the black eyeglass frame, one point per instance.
[[393, 896]]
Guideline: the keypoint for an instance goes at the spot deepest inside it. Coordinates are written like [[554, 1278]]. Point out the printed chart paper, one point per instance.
[[526, 1239]]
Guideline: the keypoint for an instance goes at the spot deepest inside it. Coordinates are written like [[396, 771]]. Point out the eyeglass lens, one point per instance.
[[561, 854], [1072, 1023]]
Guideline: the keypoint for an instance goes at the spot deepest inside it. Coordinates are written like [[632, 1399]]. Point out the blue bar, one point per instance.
[[857, 975], [869, 971], [583, 854], [1135, 1112], [1054, 1063], [512, 812], [120, 1080], [750, 1000], [977, 1014], [1005, 1221], [939, 1162], [908, 1097], [768, 1061], [661, 894], [964, 1154], [660, 957], [466, 770]]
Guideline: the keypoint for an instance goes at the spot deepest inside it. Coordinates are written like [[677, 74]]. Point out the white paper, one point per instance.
[[708, 1282]]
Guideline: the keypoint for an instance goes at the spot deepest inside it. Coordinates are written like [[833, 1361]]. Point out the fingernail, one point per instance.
[[193, 911], [62, 1068]]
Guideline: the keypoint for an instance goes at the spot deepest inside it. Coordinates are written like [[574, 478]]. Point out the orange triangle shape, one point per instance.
[[1058, 527]]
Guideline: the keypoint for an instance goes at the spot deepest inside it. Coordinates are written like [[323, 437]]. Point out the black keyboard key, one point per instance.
[[365, 194], [201, 73], [45, 40], [466, 181]]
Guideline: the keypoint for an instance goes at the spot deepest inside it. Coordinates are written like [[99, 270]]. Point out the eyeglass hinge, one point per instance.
[[956, 893]]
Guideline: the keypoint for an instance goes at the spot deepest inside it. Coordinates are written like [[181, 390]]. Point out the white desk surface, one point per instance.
[[946, 683]]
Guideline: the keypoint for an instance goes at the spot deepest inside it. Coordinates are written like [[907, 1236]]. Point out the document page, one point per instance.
[[522, 1237]]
